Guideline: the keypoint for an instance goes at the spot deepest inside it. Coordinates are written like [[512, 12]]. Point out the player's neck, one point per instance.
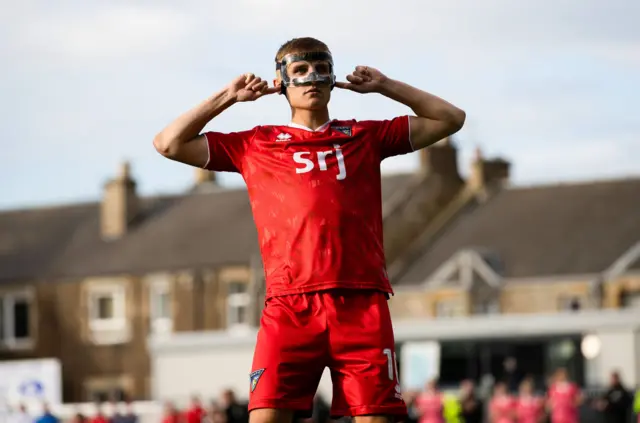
[[312, 119]]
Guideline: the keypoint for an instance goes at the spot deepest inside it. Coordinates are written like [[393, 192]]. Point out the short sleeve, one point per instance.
[[226, 151], [393, 136]]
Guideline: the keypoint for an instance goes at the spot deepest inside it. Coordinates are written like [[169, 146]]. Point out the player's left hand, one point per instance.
[[364, 80]]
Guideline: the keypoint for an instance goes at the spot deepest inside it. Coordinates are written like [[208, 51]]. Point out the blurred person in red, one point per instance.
[[99, 416], [171, 414], [429, 404], [530, 407], [195, 412], [563, 399], [78, 418], [315, 192], [502, 406]]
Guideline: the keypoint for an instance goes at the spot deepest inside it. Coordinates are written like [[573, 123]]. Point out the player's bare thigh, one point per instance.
[[373, 419], [271, 415]]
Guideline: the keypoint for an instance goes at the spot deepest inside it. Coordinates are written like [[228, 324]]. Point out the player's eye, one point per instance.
[[322, 68], [300, 69]]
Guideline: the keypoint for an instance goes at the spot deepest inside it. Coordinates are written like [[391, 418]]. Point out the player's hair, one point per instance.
[[301, 45]]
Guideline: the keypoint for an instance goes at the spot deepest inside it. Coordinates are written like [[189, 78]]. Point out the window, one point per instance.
[[161, 312], [238, 302], [107, 307], [106, 389], [631, 299], [448, 308], [486, 307], [15, 319]]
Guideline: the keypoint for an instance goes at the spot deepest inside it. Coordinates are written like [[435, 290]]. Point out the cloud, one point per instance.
[[547, 83], [106, 32]]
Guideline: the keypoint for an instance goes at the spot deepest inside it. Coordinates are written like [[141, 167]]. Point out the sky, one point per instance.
[[551, 85]]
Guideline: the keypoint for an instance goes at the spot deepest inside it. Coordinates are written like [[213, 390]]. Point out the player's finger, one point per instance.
[[363, 69], [354, 79], [364, 76], [271, 90], [248, 77], [254, 82], [344, 85], [260, 86]]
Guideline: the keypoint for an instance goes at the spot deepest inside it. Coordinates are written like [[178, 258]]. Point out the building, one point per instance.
[[90, 283]]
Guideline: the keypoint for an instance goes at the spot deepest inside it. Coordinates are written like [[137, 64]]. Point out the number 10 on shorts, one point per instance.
[[392, 364]]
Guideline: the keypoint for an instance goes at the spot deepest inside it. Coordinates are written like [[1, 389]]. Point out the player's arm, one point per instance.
[[182, 141], [435, 118]]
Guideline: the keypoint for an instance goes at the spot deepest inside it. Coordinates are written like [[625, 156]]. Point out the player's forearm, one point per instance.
[[190, 124], [423, 104]]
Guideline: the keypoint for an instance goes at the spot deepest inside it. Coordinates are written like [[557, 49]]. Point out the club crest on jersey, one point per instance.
[[283, 137], [344, 129], [254, 377]]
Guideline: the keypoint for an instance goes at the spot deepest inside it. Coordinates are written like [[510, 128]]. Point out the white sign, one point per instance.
[[28, 381], [420, 363]]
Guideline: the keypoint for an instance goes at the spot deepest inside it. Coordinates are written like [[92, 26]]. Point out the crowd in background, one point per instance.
[[510, 401]]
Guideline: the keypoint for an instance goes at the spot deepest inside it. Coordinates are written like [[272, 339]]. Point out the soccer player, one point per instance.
[[564, 398], [314, 188], [502, 405], [430, 404], [529, 407]]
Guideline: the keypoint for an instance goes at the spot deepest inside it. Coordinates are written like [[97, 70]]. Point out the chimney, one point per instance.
[[488, 172], [204, 176], [440, 158], [119, 204]]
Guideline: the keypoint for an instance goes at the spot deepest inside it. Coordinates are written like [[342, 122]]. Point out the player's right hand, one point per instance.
[[248, 87]]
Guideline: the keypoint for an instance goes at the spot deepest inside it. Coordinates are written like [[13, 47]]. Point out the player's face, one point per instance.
[[310, 96]]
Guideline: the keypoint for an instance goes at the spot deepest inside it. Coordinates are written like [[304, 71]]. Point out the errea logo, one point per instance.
[[283, 137]]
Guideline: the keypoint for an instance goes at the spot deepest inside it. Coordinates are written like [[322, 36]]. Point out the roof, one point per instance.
[[568, 229], [198, 229]]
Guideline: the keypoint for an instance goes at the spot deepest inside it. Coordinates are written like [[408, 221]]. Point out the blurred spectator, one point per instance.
[[412, 412], [171, 414], [78, 418], [502, 408], [235, 412], [472, 407], [99, 417], [20, 415], [564, 398], [430, 404], [511, 375], [616, 402], [47, 416], [195, 412], [636, 405], [115, 416], [129, 415], [529, 408]]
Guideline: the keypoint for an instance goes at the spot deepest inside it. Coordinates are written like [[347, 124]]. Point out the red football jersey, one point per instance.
[[316, 199]]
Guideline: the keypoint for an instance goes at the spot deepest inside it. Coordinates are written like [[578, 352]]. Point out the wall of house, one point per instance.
[[419, 302], [542, 296]]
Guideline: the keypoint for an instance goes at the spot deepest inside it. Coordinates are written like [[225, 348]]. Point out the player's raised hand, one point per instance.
[[363, 80], [248, 87]]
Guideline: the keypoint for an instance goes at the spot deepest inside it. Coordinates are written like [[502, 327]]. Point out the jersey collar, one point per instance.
[[320, 129]]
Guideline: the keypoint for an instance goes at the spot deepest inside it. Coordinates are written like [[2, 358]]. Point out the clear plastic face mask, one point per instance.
[[304, 72]]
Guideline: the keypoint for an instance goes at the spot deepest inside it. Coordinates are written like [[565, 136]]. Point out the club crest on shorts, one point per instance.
[[344, 129], [254, 377]]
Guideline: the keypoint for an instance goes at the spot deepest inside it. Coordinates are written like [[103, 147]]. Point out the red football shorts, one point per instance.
[[348, 331]]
